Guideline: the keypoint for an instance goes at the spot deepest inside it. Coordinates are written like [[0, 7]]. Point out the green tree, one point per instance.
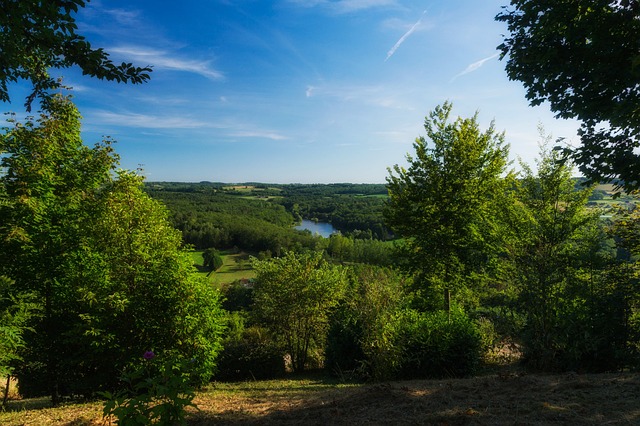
[[582, 57], [559, 255], [294, 296], [212, 259], [442, 204], [38, 35], [101, 258], [364, 336], [15, 312]]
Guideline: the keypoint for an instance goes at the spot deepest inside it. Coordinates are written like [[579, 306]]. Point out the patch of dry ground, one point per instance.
[[503, 399]]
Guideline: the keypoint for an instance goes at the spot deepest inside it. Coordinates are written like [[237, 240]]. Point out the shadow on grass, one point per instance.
[[201, 269], [497, 400], [27, 404]]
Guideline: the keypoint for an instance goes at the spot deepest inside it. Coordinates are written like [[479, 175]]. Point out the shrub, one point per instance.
[[158, 391], [212, 259], [435, 345], [238, 296], [343, 354], [585, 335], [250, 354], [363, 338]]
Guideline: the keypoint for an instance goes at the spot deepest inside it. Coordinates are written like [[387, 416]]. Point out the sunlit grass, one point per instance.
[[503, 397], [236, 266]]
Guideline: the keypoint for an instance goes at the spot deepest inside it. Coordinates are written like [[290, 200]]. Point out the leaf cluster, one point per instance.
[[293, 297], [36, 36], [158, 391], [442, 204], [582, 57]]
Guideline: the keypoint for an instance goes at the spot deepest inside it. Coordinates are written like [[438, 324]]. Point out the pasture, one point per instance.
[[237, 266]]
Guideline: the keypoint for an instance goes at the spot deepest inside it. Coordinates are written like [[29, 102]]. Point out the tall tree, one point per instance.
[[582, 57], [565, 290], [36, 35], [293, 297], [442, 204], [100, 257]]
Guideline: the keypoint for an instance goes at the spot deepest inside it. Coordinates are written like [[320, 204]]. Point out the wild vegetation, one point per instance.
[[521, 260], [456, 263]]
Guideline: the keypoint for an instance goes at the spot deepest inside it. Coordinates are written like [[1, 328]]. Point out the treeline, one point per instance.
[[251, 217], [216, 219], [353, 209], [355, 215]]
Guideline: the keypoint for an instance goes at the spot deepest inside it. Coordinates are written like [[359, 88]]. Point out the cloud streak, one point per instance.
[[404, 37], [345, 6], [474, 66], [259, 134], [146, 121], [374, 95], [161, 59]]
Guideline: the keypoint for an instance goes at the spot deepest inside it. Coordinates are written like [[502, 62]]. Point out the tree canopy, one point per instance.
[[99, 257], [441, 204], [583, 58], [38, 35], [294, 295]]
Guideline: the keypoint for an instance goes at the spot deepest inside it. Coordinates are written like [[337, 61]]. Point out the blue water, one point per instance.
[[320, 228]]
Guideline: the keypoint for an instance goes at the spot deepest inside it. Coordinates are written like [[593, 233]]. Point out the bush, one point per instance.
[[343, 354], [585, 336], [238, 296], [212, 259], [250, 354], [157, 392], [363, 335], [436, 346]]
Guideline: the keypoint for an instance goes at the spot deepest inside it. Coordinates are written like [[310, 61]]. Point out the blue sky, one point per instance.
[[308, 91]]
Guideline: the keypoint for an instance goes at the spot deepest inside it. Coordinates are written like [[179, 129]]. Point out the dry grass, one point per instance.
[[497, 399]]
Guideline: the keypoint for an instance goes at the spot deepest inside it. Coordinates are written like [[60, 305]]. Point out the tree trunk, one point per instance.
[[447, 302], [6, 390]]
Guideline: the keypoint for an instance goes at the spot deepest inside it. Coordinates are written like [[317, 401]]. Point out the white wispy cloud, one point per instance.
[[474, 66], [145, 120], [374, 95], [123, 17], [160, 59], [259, 134], [345, 6], [310, 91], [404, 37]]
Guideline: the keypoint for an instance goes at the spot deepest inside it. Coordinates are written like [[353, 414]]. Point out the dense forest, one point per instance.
[[353, 209], [260, 218]]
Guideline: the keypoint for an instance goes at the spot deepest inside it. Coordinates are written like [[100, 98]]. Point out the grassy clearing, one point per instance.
[[236, 267], [507, 398]]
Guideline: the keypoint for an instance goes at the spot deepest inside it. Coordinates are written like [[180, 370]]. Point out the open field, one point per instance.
[[496, 399], [236, 267]]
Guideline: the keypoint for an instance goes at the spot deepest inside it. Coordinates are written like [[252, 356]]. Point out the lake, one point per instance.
[[320, 228]]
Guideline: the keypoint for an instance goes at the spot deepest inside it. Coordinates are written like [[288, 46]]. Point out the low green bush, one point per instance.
[[156, 391], [436, 345], [250, 354]]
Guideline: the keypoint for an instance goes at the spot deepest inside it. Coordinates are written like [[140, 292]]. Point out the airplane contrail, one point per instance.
[[474, 66], [404, 37]]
